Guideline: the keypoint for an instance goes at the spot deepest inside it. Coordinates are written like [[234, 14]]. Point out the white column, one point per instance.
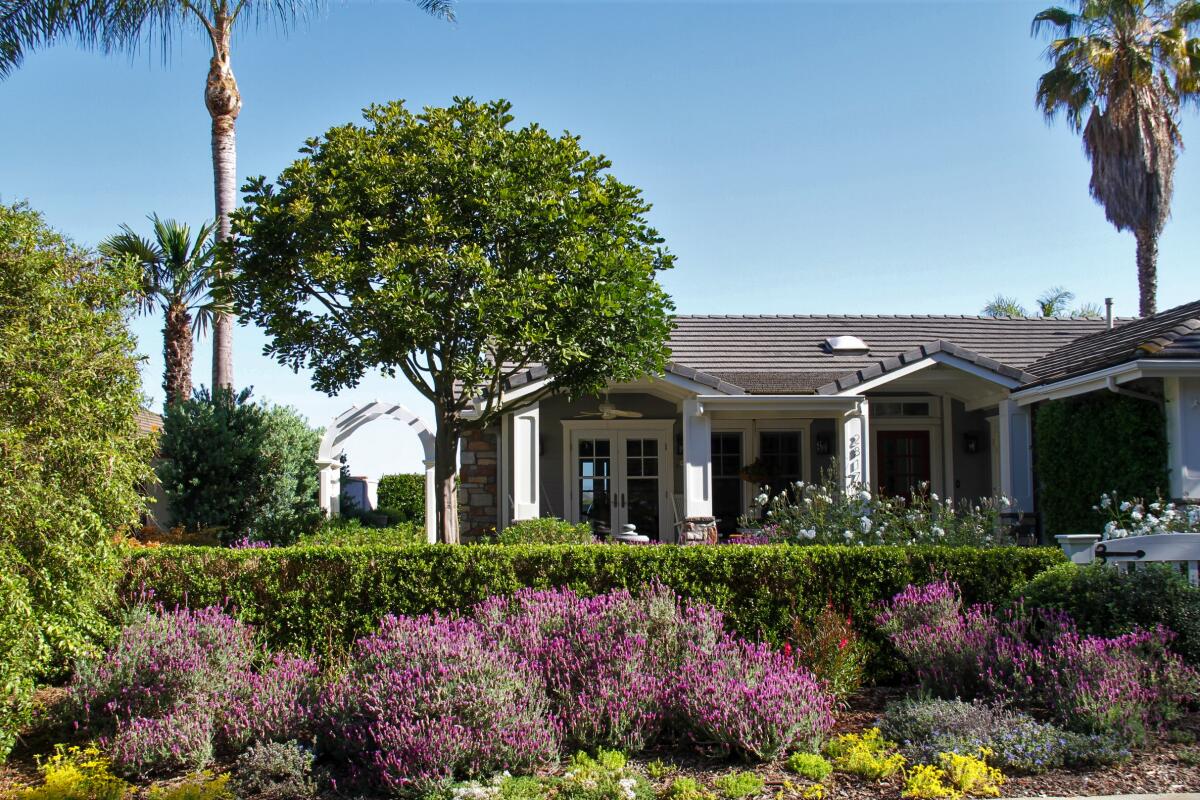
[[1016, 455], [329, 486], [948, 492], [430, 501], [855, 456], [697, 460], [1183, 436], [503, 467], [526, 458]]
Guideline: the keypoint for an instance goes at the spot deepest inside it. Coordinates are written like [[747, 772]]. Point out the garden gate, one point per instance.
[[1171, 548]]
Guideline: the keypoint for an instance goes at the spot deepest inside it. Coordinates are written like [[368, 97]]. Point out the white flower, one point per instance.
[[811, 533], [849, 535], [934, 497], [1126, 505], [1105, 501], [865, 524], [761, 499], [865, 496], [938, 532]]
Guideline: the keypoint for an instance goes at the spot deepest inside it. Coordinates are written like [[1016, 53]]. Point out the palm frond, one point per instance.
[[1053, 301], [1054, 17], [1003, 306]]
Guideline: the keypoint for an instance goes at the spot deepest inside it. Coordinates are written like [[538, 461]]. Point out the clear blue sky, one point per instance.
[[802, 157]]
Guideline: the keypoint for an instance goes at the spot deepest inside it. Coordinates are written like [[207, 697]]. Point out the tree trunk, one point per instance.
[[1147, 267], [177, 353], [224, 102], [445, 475]]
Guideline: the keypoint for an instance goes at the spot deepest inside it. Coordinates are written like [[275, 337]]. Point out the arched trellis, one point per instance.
[[344, 426]]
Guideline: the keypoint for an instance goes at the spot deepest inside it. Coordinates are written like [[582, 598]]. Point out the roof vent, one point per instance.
[[846, 344]]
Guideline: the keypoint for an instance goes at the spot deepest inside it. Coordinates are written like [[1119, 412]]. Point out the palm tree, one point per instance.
[[123, 25], [177, 272], [1003, 306], [1125, 66], [1053, 301]]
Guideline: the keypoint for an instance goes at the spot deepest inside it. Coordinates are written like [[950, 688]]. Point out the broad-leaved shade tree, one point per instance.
[[457, 250]]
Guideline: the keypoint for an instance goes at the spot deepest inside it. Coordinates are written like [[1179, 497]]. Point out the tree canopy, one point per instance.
[[457, 250]]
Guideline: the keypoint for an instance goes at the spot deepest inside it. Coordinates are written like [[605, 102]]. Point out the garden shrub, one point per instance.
[[832, 649], [739, 785], [429, 699], [74, 773], [970, 775], [351, 532], [809, 765], [1104, 600], [866, 754], [752, 701], [70, 393], [826, 513], [239, 467], [1123, 686], [275, 771], [178, 686], [609, 662], [927, 782], [306, 598], [1074, 466], [402, 497], [545, 530]]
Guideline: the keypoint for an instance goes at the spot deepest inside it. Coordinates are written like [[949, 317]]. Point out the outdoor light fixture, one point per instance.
[[971, 442]]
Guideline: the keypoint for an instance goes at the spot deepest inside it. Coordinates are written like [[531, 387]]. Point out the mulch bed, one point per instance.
[[1161, 769]]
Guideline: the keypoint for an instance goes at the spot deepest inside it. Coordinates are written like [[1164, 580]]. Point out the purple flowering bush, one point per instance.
[[752, 701], [428, 699], [178, 685], [1126, 685], [609, 662]]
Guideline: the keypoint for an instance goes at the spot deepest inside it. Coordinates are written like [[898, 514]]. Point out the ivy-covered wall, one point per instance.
[[1085, 446]]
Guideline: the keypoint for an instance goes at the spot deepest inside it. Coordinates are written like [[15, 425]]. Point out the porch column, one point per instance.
[[1016, 455], [329, 486], [1182, 407], [855, 458], [526, 430], [697, 460], [430, 501]]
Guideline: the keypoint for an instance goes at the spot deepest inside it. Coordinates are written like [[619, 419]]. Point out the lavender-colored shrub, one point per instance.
[[179, 685], [752, 701], [1127, 685], [610, 662], [429, 699]]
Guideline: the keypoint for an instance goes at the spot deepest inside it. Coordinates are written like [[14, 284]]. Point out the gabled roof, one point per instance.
[[894, 363], [1174, 333], [786, 354]]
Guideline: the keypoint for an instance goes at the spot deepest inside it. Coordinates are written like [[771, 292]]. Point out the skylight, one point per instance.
[[846, 344]]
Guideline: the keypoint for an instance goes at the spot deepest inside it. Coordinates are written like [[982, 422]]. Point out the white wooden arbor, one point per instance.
[[333, 445]]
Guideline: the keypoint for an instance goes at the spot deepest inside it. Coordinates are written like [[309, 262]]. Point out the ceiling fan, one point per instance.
[[609, 411]]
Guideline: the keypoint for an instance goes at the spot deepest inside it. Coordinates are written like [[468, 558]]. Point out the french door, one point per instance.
[[902, 461], [621, 475]]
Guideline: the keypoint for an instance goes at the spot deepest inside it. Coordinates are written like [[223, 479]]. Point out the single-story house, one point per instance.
[[892, 401]]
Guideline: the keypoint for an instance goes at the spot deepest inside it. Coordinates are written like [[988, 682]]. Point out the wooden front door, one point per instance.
[[902, 458]]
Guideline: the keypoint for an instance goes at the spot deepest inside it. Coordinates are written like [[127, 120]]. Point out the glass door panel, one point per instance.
[[640, 497], [727, 479], [903, 459], [593, 472]]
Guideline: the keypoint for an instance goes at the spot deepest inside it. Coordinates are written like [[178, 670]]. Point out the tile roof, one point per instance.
[[148, 421], [1174, 333], [786, 354]]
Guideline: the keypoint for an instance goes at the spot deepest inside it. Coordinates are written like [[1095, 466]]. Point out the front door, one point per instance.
[[622, 478], [902, 458]]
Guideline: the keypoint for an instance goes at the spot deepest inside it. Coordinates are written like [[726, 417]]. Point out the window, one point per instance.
[[726, 479], [781, 455], [901, 408], [594, 473]]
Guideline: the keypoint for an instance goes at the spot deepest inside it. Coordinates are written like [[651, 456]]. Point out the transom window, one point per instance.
[[901, 408]]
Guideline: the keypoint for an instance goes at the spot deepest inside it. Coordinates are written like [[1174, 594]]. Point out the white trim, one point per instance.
[[503, 462], [617, 431], [949, 489], [928, 361], [807, 405], [1097, 381]]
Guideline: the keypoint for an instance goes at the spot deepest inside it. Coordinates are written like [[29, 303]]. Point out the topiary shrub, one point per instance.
[[545, 530], [1108, 601], [241, 468], [1074, 466], [402, 497]]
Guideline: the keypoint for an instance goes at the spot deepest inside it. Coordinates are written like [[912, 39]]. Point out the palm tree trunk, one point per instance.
[[224, 102], [177, 353], [1147, 268], [445, 475]]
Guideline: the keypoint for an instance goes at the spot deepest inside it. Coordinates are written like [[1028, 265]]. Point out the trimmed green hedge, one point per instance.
[[402, 496], [1086, 446], [320, 598]]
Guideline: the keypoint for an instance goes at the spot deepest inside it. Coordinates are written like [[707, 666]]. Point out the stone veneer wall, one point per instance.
[[477, 488]]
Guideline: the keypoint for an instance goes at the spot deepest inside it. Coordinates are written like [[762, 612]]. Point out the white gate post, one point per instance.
[[430, 501]]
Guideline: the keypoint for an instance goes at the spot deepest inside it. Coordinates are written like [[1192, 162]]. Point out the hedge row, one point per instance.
[[321, 598]]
